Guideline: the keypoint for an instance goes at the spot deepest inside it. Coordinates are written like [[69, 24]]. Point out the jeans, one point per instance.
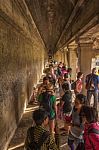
[[95, 95], [76, 141], [98, 95]]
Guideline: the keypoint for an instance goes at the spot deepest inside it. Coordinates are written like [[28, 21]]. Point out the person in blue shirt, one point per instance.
[[92, 86]]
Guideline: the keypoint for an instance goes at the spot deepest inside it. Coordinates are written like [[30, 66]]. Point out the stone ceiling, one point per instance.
[[60, 20], [50, 17], [93, 35]]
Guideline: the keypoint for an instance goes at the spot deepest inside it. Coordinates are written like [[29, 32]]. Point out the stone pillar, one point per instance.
[[72, 60], [65, 56], [85, 59], [62, 55]]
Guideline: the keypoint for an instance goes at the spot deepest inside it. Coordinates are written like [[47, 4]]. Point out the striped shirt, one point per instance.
[[49, 142]]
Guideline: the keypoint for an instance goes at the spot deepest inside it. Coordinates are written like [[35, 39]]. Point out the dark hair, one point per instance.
[[50, 65], [69, 69], [39, 116], [63, 67], [65, 86], [66, 75], [90, 113], [79, 74], [45, 78], [93, 70], [82, 98]]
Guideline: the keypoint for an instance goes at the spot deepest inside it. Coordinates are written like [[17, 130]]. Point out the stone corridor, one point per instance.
[[17, 142], [33, 33]]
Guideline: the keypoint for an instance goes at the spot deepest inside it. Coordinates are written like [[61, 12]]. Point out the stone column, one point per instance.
[[85, 59], [72, 59], [65, 56], [62, 55]]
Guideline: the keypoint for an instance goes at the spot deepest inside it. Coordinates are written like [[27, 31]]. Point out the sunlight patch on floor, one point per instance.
[[31, 109], [63, 145], [17, 146]]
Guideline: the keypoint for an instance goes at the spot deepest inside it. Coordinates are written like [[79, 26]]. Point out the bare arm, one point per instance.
[[55, 108]]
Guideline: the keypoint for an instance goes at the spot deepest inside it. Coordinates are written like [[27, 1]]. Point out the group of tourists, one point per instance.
[[80, 118]]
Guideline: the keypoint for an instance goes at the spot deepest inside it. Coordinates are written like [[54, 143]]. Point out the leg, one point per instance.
[[95, 94], [57, 135], [98, 95], [89, 95], [70, 143], [52, 126]]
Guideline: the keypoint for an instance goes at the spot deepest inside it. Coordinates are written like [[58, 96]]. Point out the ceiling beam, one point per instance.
[[87, 17], [78, 5]]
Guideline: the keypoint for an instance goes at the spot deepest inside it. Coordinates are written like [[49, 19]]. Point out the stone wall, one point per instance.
[[21, 64]]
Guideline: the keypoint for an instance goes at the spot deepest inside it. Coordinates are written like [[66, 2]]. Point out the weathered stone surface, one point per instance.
[[22, 55]]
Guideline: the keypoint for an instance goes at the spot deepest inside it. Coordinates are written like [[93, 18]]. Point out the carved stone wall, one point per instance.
[[21, 64]]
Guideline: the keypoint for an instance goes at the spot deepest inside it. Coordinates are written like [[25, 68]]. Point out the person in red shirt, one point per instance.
[[78, 88], [91, 128]]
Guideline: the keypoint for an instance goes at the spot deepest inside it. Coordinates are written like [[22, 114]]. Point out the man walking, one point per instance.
[[92, 86]]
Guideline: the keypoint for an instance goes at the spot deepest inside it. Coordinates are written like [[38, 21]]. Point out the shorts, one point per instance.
[[67, 117], [51, 118]]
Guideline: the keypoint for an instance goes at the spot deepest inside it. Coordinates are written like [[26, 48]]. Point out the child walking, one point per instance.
[[66, 105]]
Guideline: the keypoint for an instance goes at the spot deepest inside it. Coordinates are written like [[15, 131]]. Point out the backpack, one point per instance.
[[81, 145], [95, 131], [89, 83], [73, 85], [45, 102], [34, 145]]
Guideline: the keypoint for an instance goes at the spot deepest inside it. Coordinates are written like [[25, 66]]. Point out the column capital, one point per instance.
[[61, 50], [85, 41], [96, 44], [65, 49], [72, 46]]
